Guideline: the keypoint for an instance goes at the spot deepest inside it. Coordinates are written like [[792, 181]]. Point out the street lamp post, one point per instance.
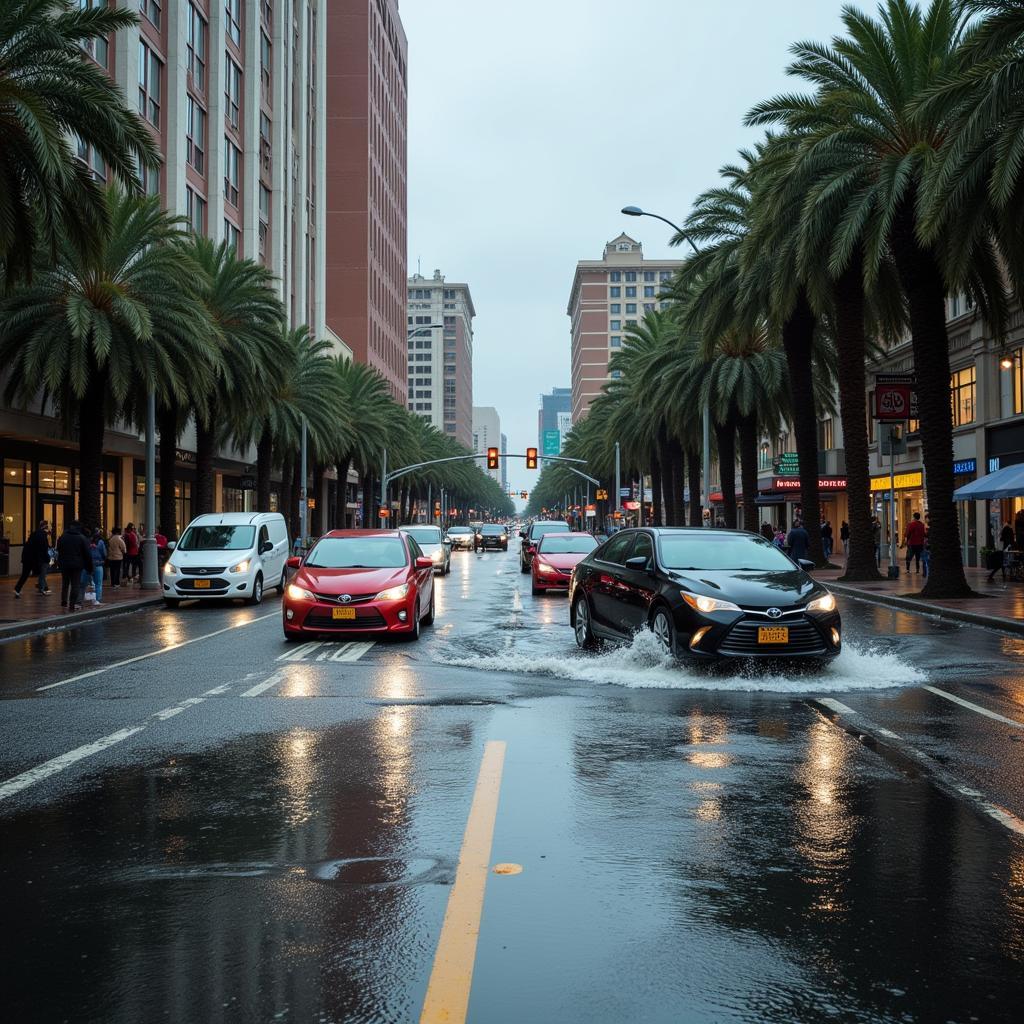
[[303, 503], [150, 566], [705, 498]]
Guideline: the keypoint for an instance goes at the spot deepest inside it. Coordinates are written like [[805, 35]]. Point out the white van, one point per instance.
[[227, 554]]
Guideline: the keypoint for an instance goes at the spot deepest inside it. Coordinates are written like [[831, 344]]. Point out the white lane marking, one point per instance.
[[995, 716], [299, 653], [353, 651], [331, 652], [837, 705], [218, 689], [57, 764], [152, 654], [254, 691], [1005, 818], [517, 601]]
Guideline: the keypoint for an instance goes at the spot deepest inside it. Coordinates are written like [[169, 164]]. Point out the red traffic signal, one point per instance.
[[531, 458], [492, 458]]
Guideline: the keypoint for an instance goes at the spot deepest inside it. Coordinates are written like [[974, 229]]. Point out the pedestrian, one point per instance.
[[116, 551], [161, 546], [876, 536], [913, 541], [35, 558], [98, 552], [799, 541], [780, 538], [133, 568], [844, 536], [826, 538], [1007, 540], [73, 556], [767, 532], [926, 553], [1018, 529]]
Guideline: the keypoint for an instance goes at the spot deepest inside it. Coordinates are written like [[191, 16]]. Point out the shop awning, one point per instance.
[[1003, 483]]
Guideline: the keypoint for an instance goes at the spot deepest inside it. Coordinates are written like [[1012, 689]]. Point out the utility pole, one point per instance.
[[303, 504], [150, 568], [384, 480], [618, 487], [705, 498]]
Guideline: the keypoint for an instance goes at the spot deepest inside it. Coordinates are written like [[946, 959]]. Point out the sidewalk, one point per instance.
[[32, 611], [998, 605]]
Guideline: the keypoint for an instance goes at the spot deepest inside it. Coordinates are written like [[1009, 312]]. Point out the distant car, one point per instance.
[[555, 558], [462, 537], [705, 594], [532, 535], [434, 545], [492, 536], [360, 581]]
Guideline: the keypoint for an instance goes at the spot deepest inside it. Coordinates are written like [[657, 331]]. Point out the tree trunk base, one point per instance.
[[861, 576], [946, 591]]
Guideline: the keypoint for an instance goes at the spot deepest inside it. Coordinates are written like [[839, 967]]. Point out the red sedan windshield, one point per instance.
[[357, 553]]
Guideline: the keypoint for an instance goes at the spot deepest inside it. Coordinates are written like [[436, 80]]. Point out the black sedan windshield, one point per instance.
[[358, 553], [492, 531], [727, 551]]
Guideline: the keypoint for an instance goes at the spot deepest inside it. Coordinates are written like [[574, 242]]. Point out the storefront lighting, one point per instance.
[[1006, 362]]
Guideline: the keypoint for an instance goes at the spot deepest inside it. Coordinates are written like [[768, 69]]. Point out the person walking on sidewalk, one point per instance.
[[844, 536], [131, 543], [98, 552], [116, 551], [876, 534], [35, 558], [826, 538], [913, 540], [1007, 540], [73, 556], [799, 540]]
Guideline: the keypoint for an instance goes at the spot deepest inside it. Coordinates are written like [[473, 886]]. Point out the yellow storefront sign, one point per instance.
[[903, 482]]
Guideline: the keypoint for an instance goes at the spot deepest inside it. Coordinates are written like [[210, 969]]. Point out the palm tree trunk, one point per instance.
[[343, 466], [288, 499], [797, 340], [850, 349], [677, 478], [264, 467], [206, 441], [725, 436], [168, 426], [368, 501], [748, 471], [925, 290], [693, 467], [91, 425], [656, 491]]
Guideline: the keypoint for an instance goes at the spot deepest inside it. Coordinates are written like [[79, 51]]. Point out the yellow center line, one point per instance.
[[451, 977]]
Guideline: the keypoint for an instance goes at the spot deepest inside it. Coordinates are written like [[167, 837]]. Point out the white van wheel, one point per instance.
[[257, 590]]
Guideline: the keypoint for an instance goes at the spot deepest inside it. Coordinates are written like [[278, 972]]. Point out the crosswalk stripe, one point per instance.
[[352, 652], [254, 691], [299, 653]]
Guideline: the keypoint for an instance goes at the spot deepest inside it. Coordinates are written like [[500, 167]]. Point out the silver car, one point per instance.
[[434, 545]]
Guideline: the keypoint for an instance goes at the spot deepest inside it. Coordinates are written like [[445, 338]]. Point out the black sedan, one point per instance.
[[492, 536], [706, 594]]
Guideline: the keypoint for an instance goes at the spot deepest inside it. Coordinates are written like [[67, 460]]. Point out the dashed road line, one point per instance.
[[152, 654], [994, 715], [255, 691]]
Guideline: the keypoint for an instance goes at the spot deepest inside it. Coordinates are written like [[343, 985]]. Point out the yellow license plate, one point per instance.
[[201, 584], [343, 613], [773, 634]]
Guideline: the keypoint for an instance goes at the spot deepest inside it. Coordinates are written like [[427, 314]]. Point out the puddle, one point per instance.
[[437, 702]]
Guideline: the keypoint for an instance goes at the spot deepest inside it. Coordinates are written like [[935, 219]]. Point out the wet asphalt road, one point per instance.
[[238, 830]]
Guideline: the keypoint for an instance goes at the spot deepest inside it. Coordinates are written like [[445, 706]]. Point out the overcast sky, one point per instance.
[[531, 124]]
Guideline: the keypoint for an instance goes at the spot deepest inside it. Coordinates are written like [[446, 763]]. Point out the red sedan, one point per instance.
[[555, 557], [360, 581]]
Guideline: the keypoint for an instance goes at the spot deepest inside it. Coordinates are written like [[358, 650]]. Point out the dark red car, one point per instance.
[[360, 581], [555, 557]]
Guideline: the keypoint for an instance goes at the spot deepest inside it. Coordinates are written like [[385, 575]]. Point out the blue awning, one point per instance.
[[1003, 483]]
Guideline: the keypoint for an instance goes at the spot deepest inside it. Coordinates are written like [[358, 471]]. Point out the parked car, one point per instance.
[[491, 535], [705, 594], [360, 581], [532, 534], [556, 556], [462, 537], [227, 554], [434, 545]]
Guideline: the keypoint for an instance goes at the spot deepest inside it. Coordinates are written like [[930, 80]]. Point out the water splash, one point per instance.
[[642, 664]]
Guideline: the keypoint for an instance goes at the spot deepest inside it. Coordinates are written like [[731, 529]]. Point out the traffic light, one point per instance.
[[437, 508], [492, 458], [524, 494], [531, 458]]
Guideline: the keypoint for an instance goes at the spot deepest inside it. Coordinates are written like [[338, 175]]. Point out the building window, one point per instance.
[[150, 178], [232, 159], [151, 9], [232, 237], [961, 384], [195, 211], [615, 292], [195, 135], [265, 146], [265, 64], [233, 20], [616, 325], [631, 292], [648, 291], [630, 307], [615, 275], [615, 308], [232, 91], [631, 323], [616, 374], [97, 47], [615, 341], [91, 158], [630, 275], [1017, 391], [648, 307], [268, 12], [664, 275], [264, 220], [648, 275], [150, 69], [826, 434]]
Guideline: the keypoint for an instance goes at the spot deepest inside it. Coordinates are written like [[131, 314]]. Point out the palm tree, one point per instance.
[[91, 328], [866, 115], [250, 344], [50, 93]]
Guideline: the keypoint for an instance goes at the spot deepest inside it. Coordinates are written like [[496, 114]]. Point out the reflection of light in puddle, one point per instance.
[[709, 810], [710, 729], [394, 682], [299, 682], [170, 630], [709, 758], [295, 750]]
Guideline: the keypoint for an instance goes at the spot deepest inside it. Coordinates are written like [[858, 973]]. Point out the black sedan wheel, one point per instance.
[[583, 627], [664, 630]]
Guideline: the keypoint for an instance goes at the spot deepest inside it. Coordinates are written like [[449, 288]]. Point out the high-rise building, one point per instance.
[[365, 183], [608, 295], [504, 463], [234, 94], [487, 434], [551, 417], [440, 355]]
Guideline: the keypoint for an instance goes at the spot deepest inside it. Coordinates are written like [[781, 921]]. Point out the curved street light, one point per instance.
[[705, 500]]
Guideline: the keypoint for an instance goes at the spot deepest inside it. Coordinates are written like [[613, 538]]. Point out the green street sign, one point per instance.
[[787, 464]]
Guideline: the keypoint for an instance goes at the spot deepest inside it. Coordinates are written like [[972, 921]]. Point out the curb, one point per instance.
[[30, 626], [907, 604]]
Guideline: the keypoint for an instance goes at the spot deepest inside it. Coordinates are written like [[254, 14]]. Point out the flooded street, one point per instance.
[[202, 823]]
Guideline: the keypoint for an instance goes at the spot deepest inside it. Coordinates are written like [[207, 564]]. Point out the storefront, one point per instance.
[[964, 472], [910, 498], [783, 498], [1005, 447]]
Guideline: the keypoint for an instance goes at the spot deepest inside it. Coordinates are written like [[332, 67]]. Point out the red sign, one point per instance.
[[825, 483], [892, 401], [384, 513], [631, 506]]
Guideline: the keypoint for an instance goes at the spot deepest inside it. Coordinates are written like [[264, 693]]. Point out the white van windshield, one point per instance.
[[217, 538]]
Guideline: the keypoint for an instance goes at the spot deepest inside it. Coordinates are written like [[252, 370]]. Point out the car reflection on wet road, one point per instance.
[[202, 823]]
